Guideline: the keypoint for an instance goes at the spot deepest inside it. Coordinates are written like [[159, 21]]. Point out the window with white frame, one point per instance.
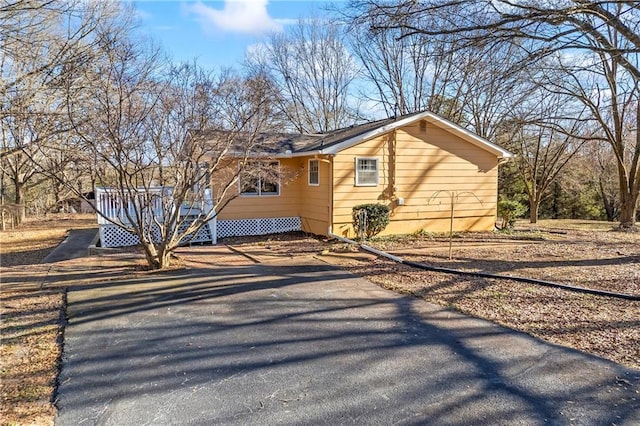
[[259, 178], [314, 172], [366, 171]]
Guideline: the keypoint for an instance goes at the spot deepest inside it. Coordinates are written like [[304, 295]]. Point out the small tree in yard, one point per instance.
[[509, 211], [370, 219], [454, 196], [134, 114]]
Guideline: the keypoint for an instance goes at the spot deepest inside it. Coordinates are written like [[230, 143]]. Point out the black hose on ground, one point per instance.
[[524, 280], [487, 275]]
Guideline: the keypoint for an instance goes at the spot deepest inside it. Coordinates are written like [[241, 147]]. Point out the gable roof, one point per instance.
[[334, 142], [284, 145]]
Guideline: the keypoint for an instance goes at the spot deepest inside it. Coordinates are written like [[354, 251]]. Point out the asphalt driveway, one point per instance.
[[302, 342]]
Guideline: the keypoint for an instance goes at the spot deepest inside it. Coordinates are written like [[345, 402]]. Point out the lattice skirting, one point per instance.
[[113, 236], [245, 227], [204, 235]]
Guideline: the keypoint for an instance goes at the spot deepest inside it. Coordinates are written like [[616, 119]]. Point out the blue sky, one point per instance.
[[218, 32]]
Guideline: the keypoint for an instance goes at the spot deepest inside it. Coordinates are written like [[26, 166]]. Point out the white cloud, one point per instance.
[[236, 16]]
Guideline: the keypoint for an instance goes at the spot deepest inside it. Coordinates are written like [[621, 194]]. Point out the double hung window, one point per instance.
[[314, 172], [260, 178], [366, 171]]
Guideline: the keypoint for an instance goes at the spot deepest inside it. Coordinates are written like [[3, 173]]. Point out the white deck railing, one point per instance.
[[116, 207]]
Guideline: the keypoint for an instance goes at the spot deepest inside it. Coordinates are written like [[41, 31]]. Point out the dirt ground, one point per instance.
[[30, 326], [585, 254], [33, 240]]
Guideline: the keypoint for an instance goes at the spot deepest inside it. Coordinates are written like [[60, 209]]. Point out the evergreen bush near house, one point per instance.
[[370, 219], [509, 211]]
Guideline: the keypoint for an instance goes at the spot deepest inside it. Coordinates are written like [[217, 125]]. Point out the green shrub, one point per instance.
[[509, 211], [374, 220]]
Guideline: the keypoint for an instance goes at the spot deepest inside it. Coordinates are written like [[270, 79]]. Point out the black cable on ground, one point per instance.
[[524, 280], [487, 275]]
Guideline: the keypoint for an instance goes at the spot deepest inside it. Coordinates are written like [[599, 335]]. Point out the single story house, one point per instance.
[[412, 163]]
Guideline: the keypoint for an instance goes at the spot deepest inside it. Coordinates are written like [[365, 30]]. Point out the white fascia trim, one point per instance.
[[299, 154], [257, 156], [373, 133], [462, 132]]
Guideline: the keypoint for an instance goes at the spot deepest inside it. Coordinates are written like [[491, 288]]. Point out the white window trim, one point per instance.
[[357, 175], [309, 172], [259, 193]]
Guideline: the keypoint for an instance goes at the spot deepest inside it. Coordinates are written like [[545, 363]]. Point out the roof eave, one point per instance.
[[299, 154], [462, 132], [373, 133]]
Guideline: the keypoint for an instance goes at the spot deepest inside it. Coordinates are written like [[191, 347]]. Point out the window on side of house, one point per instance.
[[314, 173], [366, 171], [260, 178]]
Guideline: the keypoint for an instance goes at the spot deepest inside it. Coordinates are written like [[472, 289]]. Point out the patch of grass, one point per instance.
[[530, 235], [34, 239]]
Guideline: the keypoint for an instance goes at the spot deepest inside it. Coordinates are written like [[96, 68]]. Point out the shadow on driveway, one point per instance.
[[306, 343]]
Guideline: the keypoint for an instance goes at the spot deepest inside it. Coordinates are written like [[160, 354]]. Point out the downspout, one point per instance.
[[393, 170], [425, 267], [330, 189], [329, 162], [396, 198]]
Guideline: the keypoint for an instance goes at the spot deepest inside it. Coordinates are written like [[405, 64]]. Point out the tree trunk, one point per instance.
[[157, 257], [628, 209], [533, 210], [164, 260], [150, 254], [20, 200], [609, 205]]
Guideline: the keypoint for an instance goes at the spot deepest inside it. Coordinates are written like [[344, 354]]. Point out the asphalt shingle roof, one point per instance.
[[274, 143], [295, 143]]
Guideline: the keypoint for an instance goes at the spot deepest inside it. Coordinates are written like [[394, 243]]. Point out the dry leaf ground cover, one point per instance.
[[30, 324], [572, 253], [586, 254]]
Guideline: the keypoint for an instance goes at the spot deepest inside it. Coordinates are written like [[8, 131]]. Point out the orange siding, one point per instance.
[[286, 204], [296, 199], [315, 201], [415, 165], [422, 167]]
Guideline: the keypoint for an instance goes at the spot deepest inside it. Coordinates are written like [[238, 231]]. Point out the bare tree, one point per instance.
[[607, 29], [612, 98], [544, 141], [495, 87], [40, 39], [592, 174], [136, 115], [398, 68], [31, 117], [313, 72], [466, 83], [602, 165]]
